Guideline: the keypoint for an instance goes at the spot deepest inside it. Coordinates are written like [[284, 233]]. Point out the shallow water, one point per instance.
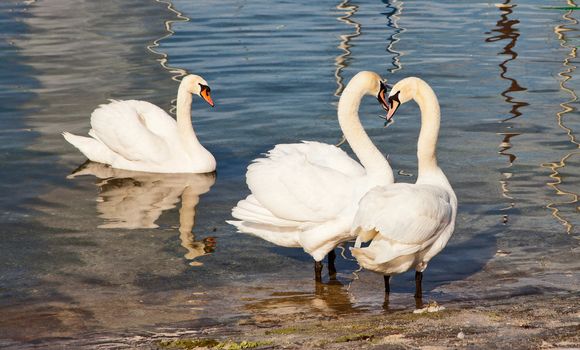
[[117, 255]]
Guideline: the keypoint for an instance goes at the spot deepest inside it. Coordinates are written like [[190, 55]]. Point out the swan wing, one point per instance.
[[325, 155], [307, 182], [135, 130], [408, 214]]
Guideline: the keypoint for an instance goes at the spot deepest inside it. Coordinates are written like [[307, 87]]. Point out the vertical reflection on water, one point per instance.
[[164, 60], [136, 200], [395, 9], [505, 31], [570, 198], [189, 200], [341, 62], [178, 73]]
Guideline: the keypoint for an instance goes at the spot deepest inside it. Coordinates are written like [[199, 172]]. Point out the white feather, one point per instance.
[[137, 135], [408, 224], [306, 194]]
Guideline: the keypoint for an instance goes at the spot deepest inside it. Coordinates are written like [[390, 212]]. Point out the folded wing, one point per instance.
[[405, 217], [135, 130], [307, 182]]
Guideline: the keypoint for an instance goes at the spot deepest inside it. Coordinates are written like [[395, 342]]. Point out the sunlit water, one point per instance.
[[113, 255]]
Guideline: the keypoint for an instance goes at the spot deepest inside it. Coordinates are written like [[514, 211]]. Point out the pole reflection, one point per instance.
[[394, 11], [341, 62], [178, 73], [570, 199], [505, 30]]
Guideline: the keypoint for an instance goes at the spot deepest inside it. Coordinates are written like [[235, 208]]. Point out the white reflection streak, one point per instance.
[[393, 22], [178, 73], [341, 60], [164, 60], [566, 75]]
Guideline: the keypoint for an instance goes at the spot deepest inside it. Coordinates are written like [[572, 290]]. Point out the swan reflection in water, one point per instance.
[[136, 200], [329, 298]]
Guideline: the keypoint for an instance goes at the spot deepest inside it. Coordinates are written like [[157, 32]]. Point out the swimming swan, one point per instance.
[[306, 194], [139, 136], [408, 223]]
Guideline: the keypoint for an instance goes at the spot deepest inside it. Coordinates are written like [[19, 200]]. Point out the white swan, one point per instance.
[[306, 194], [408, 223], [139, 136]]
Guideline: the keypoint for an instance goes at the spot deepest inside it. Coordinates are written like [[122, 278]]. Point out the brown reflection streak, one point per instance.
[[341, 60], [330, 298], [566, 75], [506, 31]]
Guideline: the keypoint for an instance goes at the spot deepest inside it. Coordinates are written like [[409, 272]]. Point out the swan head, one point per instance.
[[196, 85], [402, 92], [370, 83]]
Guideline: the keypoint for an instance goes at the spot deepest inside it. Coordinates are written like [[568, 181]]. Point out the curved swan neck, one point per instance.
[[368, 154], [184, 126], [184, 100], [430, 122]]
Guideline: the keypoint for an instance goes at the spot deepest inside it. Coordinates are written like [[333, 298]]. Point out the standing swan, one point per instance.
[[306, 194], [139, 136], [408, 223]]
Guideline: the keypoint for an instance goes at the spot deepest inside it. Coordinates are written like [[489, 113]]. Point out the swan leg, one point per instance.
[[387, 284], [331, 267], [418, 289], [318, 271]]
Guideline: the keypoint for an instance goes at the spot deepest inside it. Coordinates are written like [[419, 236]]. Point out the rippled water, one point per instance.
[[128, 254]]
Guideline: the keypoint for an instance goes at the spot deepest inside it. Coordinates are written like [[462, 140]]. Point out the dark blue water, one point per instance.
[[119, 253]]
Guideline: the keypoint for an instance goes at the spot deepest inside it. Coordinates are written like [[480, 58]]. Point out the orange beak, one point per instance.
[[206, 96]]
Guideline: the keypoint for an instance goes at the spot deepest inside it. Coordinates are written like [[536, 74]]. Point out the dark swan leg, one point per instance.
[[331, 267], [318, 271], [387, 284], [418, 282], [387, 291], [418, 289]]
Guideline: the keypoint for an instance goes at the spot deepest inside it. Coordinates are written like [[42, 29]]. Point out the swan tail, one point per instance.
[[91, 148], [251, 210], [386, 256], [281, 236], [365, 257]]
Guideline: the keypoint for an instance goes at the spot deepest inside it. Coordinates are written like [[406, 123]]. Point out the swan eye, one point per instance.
[[205, 94], [394, 98], [381, 96], [204, 87], [393, 105]]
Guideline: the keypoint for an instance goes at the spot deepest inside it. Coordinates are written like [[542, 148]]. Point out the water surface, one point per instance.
[[111, 255]]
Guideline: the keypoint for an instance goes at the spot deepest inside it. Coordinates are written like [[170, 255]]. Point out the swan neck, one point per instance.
[[184, 126], [430, 122], [368, 154]]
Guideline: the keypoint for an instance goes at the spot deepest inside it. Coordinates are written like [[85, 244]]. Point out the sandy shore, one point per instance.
[[525, 322]]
